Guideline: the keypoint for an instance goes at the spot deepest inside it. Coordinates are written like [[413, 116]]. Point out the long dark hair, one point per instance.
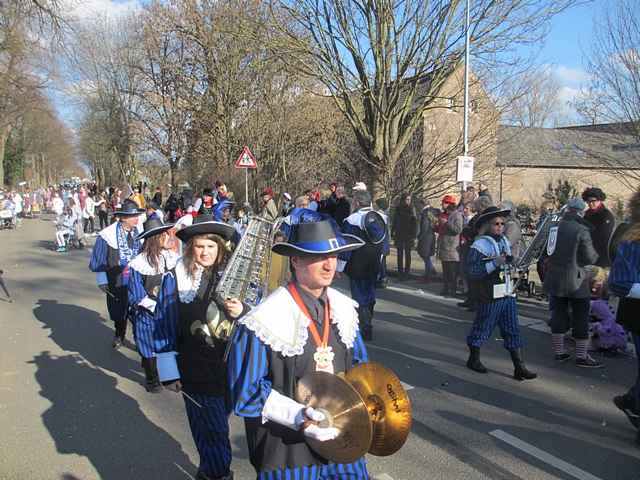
[[188, 255], [152, 248]]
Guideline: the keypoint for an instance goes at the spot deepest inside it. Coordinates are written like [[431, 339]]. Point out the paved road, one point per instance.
[[71, 408]]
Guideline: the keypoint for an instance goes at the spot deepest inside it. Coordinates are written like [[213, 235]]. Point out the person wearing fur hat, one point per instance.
[[603, 222], [304, 327], [114, 249], [570, 250], [624, 281], [488, 264], [152, 296], [201, 339]]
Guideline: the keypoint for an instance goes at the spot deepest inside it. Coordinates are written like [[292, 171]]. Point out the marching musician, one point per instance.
[[301, 328], [201, 343], [363, 265], [152, 295], [115, 247], [488, 264]]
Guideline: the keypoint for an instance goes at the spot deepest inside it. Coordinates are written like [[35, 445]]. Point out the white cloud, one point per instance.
[[87, 9], [571, 76]]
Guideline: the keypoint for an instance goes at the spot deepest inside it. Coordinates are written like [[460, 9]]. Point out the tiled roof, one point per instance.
[[566, 148]]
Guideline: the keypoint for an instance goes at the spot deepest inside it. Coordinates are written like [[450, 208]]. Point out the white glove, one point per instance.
[[283, 410], [321, 434]]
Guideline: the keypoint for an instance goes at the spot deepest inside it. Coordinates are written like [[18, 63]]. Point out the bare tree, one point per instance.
[[538, 104], [613, 95], [385, 61]]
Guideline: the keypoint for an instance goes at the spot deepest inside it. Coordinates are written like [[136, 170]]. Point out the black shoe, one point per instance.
[[152, 382], [117, 343], [588, 362], [520, 371], [474, 363], [627, 405], [562, 357], [465, 304]]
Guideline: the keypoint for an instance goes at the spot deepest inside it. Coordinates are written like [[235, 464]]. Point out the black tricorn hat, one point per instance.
[[128, 208], [490, 213], [153, 226], [204, 224], [316, 238]]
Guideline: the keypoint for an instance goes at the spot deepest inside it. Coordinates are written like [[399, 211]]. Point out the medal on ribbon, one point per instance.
[[323, 356]]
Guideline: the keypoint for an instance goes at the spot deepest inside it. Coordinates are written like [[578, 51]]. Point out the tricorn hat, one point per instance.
[[490, 213], [311, 233], [128, 208], [153, 226], [204, 224]]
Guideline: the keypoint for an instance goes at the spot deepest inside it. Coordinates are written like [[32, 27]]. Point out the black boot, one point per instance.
[[474, 363], [364, 321], [627, 404], [152, 383], [520, 371]]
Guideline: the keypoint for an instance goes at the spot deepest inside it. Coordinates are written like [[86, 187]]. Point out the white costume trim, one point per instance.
[[279, 323], [188, 286], [110, 235], [141, 264]]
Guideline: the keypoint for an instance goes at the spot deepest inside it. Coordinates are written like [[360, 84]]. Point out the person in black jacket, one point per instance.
[[403, 231], [566, 281], [603, 223], [201, 343]]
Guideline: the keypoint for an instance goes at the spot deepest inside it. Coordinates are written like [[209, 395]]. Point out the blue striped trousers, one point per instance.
[[350, 471], [210, 430], [504, 313]]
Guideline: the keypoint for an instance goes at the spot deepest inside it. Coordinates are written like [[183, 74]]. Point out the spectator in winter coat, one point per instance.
[[403, 231], [512, 228], [427, 239], [449, 230], [603, 223]]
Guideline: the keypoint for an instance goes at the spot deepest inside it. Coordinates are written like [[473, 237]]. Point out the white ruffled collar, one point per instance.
[[188, 285], [141, 263], [279, 323], [110, 235]]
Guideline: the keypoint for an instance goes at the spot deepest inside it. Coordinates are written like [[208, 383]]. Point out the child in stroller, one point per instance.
[[7, 213], [66, 229]]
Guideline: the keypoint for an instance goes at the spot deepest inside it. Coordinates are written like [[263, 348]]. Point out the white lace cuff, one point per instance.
[[148, 303], [635, 291]]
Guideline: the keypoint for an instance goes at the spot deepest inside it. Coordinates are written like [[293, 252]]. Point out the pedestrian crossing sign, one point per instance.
[[246, 159]]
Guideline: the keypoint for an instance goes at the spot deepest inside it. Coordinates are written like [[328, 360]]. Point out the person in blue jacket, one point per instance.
[[114, 249], [153, 298]]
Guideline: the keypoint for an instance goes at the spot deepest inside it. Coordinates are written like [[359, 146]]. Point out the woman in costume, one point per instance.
[[201, 344], [489, 275], [152, 295], [624, 281], [304, 327]]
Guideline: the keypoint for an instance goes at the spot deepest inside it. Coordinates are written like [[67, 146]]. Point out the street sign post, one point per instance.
[[246, 160], [465, 169]]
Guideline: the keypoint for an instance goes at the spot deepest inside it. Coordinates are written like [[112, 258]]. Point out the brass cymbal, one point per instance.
[[388, 405], [344, 409]]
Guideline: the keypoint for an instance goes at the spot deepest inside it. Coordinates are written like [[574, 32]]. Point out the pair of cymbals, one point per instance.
[[368, 406]]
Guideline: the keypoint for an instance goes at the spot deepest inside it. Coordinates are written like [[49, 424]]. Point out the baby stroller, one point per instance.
[[7, 220]]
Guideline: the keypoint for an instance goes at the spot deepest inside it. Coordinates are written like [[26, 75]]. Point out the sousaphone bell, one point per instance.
[[368, 406]]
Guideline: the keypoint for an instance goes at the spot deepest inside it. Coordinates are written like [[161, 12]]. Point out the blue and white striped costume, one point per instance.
[[624, 281], [155, 320], [483, 274], [270, 347]]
